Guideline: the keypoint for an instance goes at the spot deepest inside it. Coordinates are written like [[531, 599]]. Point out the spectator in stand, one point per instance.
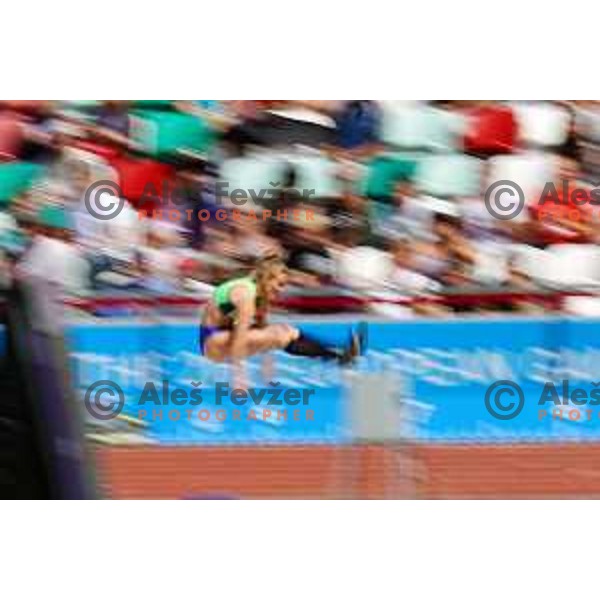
[[584, 138], [218, 114], [349, 212], [42, 137], [405, 215], [564, 213], [358, 124], [11, 135], [187, 199], [404, 282], [518, 281], [160, 259], [90, 233], [405, 278], [446, 247], [307, 244], [252, 241], [52, 263], [112, 124]]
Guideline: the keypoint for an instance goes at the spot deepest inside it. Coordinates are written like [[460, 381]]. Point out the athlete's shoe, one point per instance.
[[363, 335], [353, 350]]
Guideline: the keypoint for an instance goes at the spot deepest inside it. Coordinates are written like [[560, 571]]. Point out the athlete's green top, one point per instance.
[[222, 294]]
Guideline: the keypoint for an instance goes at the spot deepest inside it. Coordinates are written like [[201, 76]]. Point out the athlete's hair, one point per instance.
[[267, 265], [264, 269]]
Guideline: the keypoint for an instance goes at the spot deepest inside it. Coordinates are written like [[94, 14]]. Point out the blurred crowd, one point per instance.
[[383, 201]]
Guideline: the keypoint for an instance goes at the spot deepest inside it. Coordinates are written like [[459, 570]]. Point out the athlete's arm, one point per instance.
[[260, 317], [267, 363], [244, 301]]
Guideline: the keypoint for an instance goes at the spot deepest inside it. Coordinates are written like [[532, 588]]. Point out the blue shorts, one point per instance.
[[204, 332]]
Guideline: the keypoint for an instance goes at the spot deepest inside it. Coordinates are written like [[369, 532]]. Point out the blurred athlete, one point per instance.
[[234, 323]]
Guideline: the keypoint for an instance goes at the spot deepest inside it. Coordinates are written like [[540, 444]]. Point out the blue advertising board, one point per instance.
[[183, 398], [445, 367], [494, 381]]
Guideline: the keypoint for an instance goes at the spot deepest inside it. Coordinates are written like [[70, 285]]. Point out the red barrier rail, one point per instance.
[[550, 299]]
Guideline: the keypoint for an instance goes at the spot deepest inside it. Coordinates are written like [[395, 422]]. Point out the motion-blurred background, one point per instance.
[[398, 235]]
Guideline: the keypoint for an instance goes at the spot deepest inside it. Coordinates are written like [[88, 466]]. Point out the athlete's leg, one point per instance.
[[280, 337], [258, 341], [310, 345], [307, 345]]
